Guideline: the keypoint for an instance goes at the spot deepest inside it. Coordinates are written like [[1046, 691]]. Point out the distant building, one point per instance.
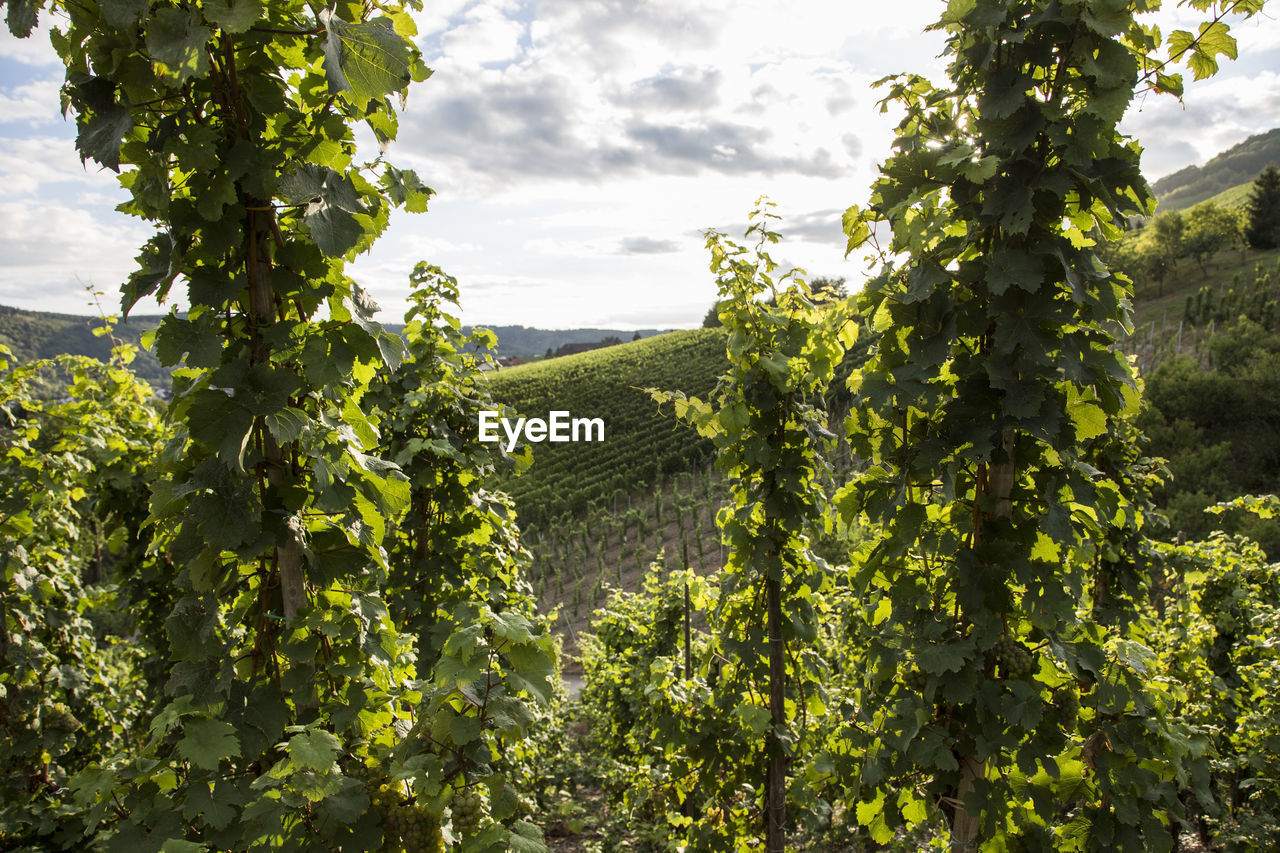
[[499, 363]]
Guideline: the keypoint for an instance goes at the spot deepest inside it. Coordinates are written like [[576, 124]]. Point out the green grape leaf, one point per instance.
[[464, 729], [220, 193], [158, 265], [526, 837], [513, 627], [1014, 268], [202, 804], [21, 17], [937, 659], [869, 811], [287, 424], [533, 671], [756, 719], [177, 337], [365, 61], [303, 184], [1170, 84], [957, 11], [123, 13], [914, 811], [1215, 40], [349, 803], [181, 845], [1106, 19], [234, 16], [981, 170], [206, 742], [922, 281], [176, 39], [314, 749], [406, 190], [856, 227], [1090, 420], [334, 230], [100, 136]]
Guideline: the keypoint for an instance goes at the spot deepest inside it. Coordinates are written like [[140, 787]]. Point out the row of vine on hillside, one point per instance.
[[344, 655], [996, 621]]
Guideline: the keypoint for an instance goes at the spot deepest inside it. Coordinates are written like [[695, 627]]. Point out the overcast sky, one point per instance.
[[580, 147]]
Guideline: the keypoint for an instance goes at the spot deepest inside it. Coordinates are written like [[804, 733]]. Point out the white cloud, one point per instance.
[[29, 102], [486, 36], [1213, 115], [53, 250], [34, 50], [435, 17], [40, 166], [580, 147]]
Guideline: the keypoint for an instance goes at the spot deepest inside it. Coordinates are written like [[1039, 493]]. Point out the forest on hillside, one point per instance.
[[289, 608]]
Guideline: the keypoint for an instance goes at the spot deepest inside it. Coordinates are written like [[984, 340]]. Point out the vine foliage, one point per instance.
[[1007, 702], [293, 691]]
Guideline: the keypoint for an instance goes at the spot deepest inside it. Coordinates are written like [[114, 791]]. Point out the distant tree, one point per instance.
[[636, 336], [1209, 229], [1170, 230], [1262, 211], [826, 288], [550, 353], [1168, 234], [610, 341], [712, 320]]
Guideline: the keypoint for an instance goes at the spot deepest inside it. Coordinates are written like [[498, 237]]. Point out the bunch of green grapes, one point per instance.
[[1068, 702], [407, 826], [419, 829], [470, 811], [1015, 660], [59, 717]]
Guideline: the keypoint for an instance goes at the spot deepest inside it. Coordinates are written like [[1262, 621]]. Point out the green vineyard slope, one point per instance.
[[640, 443]]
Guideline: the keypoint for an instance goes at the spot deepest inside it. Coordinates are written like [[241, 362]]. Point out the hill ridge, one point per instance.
[[1239, 164]]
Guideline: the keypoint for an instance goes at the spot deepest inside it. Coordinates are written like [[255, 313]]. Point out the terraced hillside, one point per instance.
[[640, 445]]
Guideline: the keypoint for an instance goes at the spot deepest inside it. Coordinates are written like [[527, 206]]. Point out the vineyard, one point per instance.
[[1189, 318], [579, 559], [882, 572], [641, 445]]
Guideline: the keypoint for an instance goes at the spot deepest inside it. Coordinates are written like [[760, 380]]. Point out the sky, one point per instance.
[[580, 148]]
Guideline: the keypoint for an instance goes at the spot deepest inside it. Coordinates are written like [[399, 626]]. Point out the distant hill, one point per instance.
[[1233, 167], [526, 342], [32, 335]]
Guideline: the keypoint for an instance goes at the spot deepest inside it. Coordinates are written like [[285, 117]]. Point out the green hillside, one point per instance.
[[1162, 304], [1224, 173], [1234, 197], [640, 444], [32, 335]]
